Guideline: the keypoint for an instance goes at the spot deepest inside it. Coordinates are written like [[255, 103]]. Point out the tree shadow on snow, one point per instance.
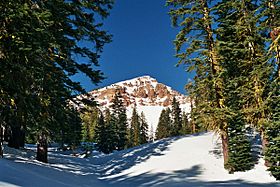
[[122, 160], [180, 178]]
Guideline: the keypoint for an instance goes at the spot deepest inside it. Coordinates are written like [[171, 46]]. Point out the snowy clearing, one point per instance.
[[193, 160]]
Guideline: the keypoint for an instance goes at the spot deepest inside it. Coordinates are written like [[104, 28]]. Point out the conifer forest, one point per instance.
[[230, 47]]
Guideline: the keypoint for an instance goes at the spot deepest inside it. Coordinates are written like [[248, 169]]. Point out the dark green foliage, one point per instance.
[[138, 131], [240, 157], [272, 132], [186, 125], [70, 130], [101, 136], [143, 129], [176, 118], [272, 154], [233, 71], [89, 121], [105, 134], [269, 26], [246, 72], [135, 129], [196, 48], [164, 125], [119, 121], [39, 42]]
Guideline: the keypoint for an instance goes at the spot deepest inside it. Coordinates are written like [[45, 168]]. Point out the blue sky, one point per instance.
[[142, 45]]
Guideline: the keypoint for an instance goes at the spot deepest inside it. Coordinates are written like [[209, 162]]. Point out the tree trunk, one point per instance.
[[225, 147], [264, 145], [1, 141], [42, 148], [193, 129], [1, 149], [16, 139]]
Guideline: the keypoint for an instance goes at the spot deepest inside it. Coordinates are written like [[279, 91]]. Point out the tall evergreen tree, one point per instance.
[[241, 49], [240, 156], [176, 118], [272, 154], [164, 125], [37, 61], [119, 119], [143, 129], [270, 21], [135, 128], [105, 133], [196, 47], [89, 121], [101, 135], [186, 125]]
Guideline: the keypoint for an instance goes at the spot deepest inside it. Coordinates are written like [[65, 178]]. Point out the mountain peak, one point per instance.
[[141, 91]]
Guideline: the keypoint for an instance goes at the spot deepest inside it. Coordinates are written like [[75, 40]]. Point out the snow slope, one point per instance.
[[152, 114], [193, 160]]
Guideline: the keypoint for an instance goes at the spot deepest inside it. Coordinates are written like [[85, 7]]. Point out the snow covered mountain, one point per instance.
[[145, 93], [140, 91]]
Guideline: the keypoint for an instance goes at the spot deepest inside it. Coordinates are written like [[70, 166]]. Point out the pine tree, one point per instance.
[[270, 28], [272, 153], [240, 157], [135, 128], [163, 128], [143, 129], [119, 120], [105, 133], [69, 132], [197, 48], [176, 118], [241, 50], [89, 121], [100, 135], [186, 125], [38, 59]]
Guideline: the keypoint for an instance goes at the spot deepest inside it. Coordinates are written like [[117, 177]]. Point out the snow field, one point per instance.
[[192, 160]]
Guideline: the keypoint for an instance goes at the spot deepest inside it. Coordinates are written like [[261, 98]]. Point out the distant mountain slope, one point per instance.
[[145, 93]]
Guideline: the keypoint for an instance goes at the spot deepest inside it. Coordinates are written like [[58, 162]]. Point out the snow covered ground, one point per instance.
[[193, 160]]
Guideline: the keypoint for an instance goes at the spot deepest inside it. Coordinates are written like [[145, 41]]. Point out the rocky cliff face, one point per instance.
[[140, 91]]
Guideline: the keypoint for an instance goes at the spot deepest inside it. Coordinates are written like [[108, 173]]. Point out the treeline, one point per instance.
[[40, 42], [174, 122], [111, 130], [233, 48]]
